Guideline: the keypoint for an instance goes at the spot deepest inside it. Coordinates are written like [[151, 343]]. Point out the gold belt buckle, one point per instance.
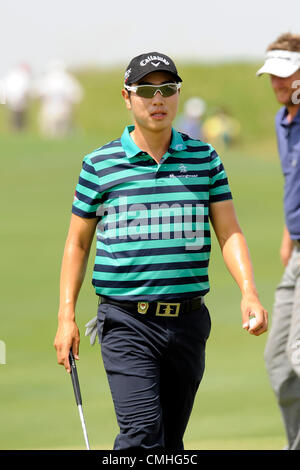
[[165, 309]]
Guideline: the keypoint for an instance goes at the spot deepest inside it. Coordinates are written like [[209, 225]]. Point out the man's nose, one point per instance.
[[158, 97]]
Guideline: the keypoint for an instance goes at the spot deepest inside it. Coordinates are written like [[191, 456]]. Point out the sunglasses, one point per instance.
[[149, 91]]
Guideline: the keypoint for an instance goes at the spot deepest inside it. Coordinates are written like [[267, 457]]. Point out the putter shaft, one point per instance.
[[77, 393], [83, 427]]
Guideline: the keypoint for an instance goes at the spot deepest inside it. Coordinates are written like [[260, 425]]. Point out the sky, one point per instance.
[[111, 32]]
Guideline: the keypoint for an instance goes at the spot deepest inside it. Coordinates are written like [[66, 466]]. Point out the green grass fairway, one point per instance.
[[235, 407]]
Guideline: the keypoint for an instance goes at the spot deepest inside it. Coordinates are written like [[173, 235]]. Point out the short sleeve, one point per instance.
[[88, 196], [219, 188]]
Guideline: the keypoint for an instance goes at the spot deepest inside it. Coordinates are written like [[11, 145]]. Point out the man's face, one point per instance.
[[283, 87], [157, 113]]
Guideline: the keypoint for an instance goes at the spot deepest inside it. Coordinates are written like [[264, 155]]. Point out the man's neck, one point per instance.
[[155, 144], [292, 112]]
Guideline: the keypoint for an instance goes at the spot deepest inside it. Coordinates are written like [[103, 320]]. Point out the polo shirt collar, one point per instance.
[[177, 142], [129, 146], [283, 120], [132, 150]]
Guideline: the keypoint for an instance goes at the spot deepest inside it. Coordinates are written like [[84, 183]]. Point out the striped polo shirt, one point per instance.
[[153, 234]]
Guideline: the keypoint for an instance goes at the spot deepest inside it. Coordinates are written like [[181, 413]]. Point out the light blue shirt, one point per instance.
[[288, 139]]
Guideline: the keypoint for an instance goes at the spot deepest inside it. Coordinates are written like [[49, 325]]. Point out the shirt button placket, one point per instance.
[[158, 169]]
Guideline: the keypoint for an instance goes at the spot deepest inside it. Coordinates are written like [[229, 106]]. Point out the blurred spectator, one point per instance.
[[59, 92], [221, 129], [16, 91], [190, 122]]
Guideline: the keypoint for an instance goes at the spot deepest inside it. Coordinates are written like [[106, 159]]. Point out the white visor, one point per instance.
[[280, 63]]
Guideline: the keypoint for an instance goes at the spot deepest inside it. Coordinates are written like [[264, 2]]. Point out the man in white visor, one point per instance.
[[282, 354]]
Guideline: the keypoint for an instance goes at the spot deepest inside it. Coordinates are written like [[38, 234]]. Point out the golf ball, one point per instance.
[[252, 323]]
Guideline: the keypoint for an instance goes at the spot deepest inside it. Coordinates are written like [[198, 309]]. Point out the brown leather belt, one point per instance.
[[159, 309]]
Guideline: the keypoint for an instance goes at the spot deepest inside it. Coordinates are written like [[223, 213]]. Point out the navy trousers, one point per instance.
[[154, 366]]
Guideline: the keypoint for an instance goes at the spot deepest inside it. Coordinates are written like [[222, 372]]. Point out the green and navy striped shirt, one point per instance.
[[153, 234]]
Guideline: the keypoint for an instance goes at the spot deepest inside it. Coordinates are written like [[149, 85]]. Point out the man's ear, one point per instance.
[[126, 97]]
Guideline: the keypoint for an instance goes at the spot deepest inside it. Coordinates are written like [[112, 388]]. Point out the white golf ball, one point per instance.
[[252, 323]]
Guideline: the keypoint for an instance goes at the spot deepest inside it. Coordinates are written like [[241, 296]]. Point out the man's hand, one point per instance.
[[251, 307], [67, 337]]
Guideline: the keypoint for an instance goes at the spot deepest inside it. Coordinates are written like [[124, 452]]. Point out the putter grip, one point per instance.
[[75, 380]]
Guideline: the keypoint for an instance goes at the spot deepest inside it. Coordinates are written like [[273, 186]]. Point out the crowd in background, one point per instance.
[[217, 126], [57, 91]]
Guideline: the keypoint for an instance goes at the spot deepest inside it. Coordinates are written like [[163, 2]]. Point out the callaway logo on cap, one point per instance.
[[144, 64]]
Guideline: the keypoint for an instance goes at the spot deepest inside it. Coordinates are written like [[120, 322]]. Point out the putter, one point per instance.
[[76, 388]]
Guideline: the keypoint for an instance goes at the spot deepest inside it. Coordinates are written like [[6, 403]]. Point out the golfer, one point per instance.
[[282, 352], [150, 195]]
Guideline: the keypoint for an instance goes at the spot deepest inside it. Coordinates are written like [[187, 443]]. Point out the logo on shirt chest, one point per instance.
[[183, 173]]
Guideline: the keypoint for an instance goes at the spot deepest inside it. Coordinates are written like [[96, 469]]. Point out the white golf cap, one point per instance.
[[280, 63]]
